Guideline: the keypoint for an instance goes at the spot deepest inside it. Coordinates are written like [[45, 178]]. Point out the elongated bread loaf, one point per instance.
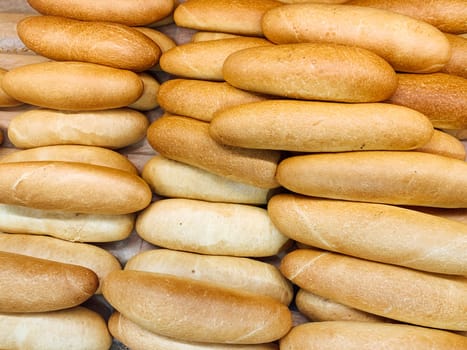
[[444, 144], [368, 336], [10, 43], [148, 99], [313, 71], [5, 99], [234, 272], [188, 141], [164, 41], [75, 328], [210, 228], [31, 284], [196, 311], [361, 26], [391, 177], [73, 187], [457, 64], [73, 85], [320, 126], [399, 293]]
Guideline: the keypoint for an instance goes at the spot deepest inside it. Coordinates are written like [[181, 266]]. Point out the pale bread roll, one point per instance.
[[138, 338], [366, 230], [169, 178], [368, 336], [5, 99], [200, 99], [391, 177], [12, 60], [245, 274], [237, 17], [441, 97], [148, 99], [320, 126], [73, 187], [204, 60], [312, 71], [10, 43], [109, 128], [31, 284], [195, 311], [457, 64], [73, 85], [188, 141], [205, 36], [210, 228], [361, 26], [444, 144], [76, 328], [395, 292], [88, 255], [131, 13]]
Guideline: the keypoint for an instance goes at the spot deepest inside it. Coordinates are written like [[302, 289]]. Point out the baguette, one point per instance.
[[233, 272], [367, 336], [391, 177], [76, 328], [312, 71], [73, 85], [444, 144], [366, 230], [361, 26], [457, 64], [320, 126], [188, 141], [112, 128], [195, 311], [5, 99], [73, 187], [10, 43], [9, 61], [210, 228], [395, 292], [441, 97], [31, 284]]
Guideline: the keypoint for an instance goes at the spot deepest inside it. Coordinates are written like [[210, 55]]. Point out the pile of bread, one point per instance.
[[305, 185]]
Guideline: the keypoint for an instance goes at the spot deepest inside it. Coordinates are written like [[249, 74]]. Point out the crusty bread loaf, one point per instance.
[[72, 187], [148, 99], [444, 144], [457, 64], [204, 59], [245, 274], [138, 338], [12, 60], [169, 178], [31, 284], [162, 40], [10, 43], [391, 177], [196, 311], [210, 228], [200, 99], [320, 126], [188, 141], [133, 13], [395, 292], [368, 336], [5, 99], [361, 26], [313, 71], [76, 328], [441, 97], [366, 230], [73, 85], [109, 128]]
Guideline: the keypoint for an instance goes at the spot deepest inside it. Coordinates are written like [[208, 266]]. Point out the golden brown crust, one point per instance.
[[457, 64], [444, 144]]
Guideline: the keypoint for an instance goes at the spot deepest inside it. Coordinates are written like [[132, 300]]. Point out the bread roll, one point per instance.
[[31, 284], [162, 40], [313, 71], [77, 328], [112, 128], [366, 230], [204, 59], [210, 228], [240, 273], [195, 311], [205, 36], [74, 86], [148, 100], [188, 141], [110, 44], [200, 99], [320, 126], [134, 13], [138, 338], [5, 99], [366, 336], [457, 64], [441, 97], [169, 178], [12, 60], [391, 177], [10, 43], [444, 144], [361, 26], [73, 187]]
